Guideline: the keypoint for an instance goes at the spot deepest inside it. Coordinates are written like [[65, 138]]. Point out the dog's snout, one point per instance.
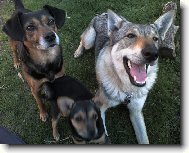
[[50, 37], [91, 132], [150, 53]]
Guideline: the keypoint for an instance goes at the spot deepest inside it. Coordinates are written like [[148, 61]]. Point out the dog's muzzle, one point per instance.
[[50, 38], [150, 53]]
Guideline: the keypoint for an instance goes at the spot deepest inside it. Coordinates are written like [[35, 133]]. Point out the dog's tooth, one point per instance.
[[140, 82], [134, 78], [129, 64], [146, 79]]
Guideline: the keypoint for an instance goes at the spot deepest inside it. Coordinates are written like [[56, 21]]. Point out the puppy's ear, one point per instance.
[[99, 122], [164, 22], [114, 21], [58, 14], [65, 105], [13, 28]]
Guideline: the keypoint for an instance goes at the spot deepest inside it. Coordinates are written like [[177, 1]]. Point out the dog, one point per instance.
[[69, 98], [126, 62], [36, 45]]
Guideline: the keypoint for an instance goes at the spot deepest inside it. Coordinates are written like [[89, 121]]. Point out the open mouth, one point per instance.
[[137, 72]]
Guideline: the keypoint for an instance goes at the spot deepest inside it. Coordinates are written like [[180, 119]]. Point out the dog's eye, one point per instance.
[[131, 35], [95, 116], [155, 38], [78, 118], [30, 28], [51, 22]]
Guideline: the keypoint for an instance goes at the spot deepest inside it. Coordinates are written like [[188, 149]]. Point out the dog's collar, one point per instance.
[[127, 99]]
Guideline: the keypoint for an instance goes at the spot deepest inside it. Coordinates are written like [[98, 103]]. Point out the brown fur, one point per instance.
[[35, 44]]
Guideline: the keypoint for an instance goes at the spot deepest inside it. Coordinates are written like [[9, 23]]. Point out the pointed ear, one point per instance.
[[13, 28], [114, 21], [58, 14], [164, 22], [65, 104]]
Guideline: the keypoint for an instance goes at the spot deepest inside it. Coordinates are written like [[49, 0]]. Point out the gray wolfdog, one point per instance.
[[126, 62]]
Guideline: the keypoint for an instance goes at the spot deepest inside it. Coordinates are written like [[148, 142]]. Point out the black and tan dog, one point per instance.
[[36, 45], [68, 97]]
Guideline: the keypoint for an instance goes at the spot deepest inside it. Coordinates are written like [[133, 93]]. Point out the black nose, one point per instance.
[[50, 37], [150, 53], [91, 132]]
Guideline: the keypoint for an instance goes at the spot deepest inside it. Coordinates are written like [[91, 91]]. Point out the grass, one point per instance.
[[162, 111]]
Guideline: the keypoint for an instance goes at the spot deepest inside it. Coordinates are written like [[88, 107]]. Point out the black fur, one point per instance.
[[37, 71], [14, 26], [64, 86], [69, 87], [58, 14]]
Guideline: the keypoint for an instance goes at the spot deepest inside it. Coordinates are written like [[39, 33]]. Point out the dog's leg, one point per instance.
[[87, 41], [56, 134], [13, 45], [103, 116], [41, 106], [137, 119]]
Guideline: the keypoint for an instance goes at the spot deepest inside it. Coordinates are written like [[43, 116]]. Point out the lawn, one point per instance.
[[162, 111]]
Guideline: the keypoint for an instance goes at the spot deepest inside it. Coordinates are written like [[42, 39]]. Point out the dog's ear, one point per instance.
[[65, 104], [99, 122], [114, 21], [13, 28], [164, 22], [58, 14]]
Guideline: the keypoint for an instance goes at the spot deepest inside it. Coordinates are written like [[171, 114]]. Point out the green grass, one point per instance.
[[162, 111]]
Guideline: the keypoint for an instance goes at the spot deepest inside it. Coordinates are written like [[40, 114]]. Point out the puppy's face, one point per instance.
[[84, 119], [40, 30]]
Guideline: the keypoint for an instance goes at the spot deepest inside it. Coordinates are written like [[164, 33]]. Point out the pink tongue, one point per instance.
[[139, 72]]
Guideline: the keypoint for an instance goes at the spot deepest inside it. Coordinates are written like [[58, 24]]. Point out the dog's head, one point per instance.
[[84, 118], [135, 46], [38, 29]]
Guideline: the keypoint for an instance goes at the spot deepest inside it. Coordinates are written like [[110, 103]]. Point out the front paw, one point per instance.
[[16, 65], [43, 116], [56, 136]]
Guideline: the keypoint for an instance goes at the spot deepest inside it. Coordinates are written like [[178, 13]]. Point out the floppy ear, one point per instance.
[[58, 14], [13, 28], [65, 104], [99, 122], [164, 22], [114, 21]]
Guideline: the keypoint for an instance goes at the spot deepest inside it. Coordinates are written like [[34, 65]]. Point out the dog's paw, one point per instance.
[[16, 65], [57, 136], [78, 53], [43, 116]]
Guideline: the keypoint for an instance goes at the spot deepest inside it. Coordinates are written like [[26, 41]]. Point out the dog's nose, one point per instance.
[[91, 133], [150, 53], [50, 37]]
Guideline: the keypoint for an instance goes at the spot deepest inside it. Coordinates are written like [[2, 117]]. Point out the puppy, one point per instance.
[[126, 62], [68, 97], [36, 45]]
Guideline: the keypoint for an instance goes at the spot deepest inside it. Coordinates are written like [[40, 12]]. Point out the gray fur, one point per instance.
[[112, 44]]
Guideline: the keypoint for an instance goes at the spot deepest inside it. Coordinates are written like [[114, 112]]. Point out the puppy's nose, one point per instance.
[[50, 37], [91, 133], [150, 53]]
